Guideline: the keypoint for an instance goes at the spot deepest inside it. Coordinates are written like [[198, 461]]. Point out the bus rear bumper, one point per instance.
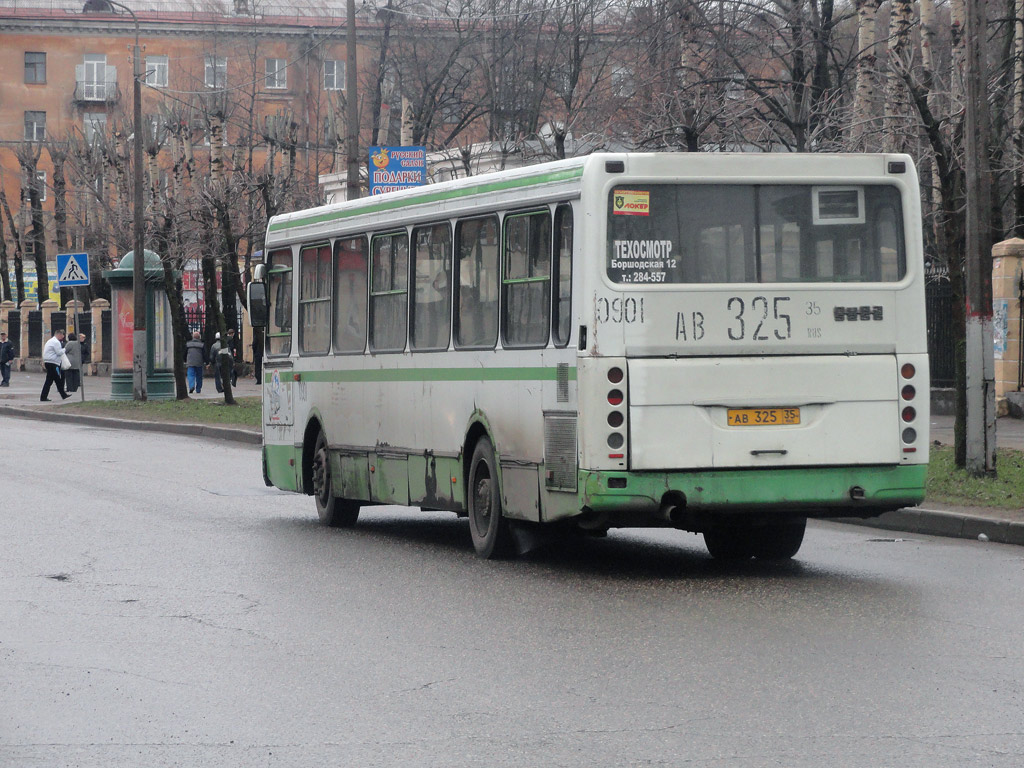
[[855, 491]]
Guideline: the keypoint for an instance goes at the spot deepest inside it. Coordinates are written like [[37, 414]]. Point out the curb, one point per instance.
[[233, 434], [937, 522]]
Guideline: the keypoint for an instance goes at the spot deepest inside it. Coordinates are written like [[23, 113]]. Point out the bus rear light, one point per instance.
[[615, 419], [909, 435], [908, 371], [615, 397], [910, 450], [615, 440], [908, 414], [908, 392], [616, 455], [615, 375]]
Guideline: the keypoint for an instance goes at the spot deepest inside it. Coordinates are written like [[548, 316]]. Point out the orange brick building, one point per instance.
[[66, 74]]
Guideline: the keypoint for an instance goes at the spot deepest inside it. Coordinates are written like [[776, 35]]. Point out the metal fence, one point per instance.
[[938, 298], [14, 330], [35, 333]]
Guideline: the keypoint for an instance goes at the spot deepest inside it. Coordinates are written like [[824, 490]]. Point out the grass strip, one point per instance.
[[246, 413], [951, 485]]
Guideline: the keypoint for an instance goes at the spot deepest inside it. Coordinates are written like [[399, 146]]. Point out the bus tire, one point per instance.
[[780, 541], [729, 542], [333, 511], [492, 535]]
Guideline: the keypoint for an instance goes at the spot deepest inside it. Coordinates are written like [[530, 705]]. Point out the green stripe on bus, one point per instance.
[[432, 197], [431, 374]]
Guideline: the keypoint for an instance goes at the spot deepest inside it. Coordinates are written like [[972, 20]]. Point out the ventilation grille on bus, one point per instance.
[[562, 382], [560, 451]]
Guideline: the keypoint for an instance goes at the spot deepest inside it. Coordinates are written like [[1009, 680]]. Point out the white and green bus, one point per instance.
[[723, 344]]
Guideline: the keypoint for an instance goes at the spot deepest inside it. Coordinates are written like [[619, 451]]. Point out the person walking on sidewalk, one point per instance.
[[216, 351], [195, 359], [73, 375], [6, 356], [53, 351]]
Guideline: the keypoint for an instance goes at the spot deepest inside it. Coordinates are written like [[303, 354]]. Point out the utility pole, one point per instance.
[[351, 105], [139, 250], [981, 397]]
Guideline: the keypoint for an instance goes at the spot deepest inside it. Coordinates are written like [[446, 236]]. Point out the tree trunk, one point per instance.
[[861, 126], [896, 121], [19, 268]]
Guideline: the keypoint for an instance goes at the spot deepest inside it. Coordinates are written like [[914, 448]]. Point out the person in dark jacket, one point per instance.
[[6, 356], [195, 359], [73, 375]]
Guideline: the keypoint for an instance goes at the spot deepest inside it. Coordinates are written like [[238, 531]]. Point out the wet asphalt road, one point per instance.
[[160, 607]]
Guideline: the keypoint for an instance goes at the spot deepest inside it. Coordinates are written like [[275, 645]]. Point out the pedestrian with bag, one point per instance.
[[6, 356], [73, 375], [195, 359], [53, 358]]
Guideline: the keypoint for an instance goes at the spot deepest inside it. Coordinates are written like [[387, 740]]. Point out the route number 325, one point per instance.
[[754, 319]]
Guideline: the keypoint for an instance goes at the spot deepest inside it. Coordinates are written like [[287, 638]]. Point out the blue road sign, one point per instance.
[[72, 269]]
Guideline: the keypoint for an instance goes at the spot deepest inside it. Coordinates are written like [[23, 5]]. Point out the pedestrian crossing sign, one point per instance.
[[72, 269]]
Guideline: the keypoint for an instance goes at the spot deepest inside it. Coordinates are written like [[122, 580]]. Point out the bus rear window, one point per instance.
[[732, 233]]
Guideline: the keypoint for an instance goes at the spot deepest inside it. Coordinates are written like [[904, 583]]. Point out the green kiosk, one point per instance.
[[159, 336]]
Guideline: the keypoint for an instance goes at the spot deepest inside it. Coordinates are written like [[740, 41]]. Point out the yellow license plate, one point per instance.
[[762, 417]]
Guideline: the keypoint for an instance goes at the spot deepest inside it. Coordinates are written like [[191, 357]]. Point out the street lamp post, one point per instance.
[[139, 261]]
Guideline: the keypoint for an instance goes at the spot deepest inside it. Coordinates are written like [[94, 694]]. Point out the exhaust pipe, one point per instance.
[[673, 508]]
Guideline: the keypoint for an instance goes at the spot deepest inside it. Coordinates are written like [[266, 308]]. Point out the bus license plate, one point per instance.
[[762, 417]]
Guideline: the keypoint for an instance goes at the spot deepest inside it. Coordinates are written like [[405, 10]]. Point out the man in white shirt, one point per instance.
[[52, 353]]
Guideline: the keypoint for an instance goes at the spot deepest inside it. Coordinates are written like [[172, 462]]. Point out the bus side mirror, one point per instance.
[[256, 297]]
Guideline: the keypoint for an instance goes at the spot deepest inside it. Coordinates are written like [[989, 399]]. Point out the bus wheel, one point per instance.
[[492, 536], [333, 512], [779, 542], [729, 542]]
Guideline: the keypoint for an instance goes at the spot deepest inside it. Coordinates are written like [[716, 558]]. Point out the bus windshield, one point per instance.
[[745, 233]]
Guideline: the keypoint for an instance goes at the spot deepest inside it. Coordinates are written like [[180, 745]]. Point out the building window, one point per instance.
[[35, 67], [216, 72], [156, 71], [40, 187], [96, 81], [334, 75], [277, 73], [94, 125], [35, 126]]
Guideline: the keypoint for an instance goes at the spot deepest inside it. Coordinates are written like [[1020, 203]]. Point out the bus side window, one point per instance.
[[389, 308], [279, 279], [315, 300], [431, 299], [476, 312], [561, 321], [350, 257], [527, 280]]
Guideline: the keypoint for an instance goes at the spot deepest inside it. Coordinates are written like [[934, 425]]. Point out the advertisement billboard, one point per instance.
[[393, 168]]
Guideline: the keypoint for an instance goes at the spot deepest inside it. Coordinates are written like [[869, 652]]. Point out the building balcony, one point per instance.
[[92, 92]]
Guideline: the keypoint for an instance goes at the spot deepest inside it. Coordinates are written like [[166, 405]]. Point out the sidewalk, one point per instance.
[[21, 399]]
